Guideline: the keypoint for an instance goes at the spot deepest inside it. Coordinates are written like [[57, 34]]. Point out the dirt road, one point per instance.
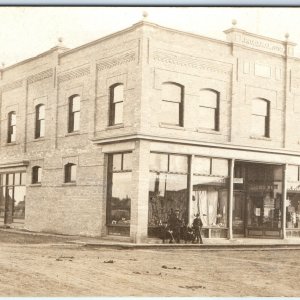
[[33, 266]]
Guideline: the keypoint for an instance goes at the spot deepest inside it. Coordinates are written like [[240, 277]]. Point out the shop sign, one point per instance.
[[293, 186], [238, 180]]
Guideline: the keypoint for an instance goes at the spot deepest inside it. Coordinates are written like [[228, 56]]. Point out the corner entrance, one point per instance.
[[257, 200]]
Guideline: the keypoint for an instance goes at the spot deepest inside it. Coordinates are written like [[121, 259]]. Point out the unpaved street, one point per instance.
[[47, 266]]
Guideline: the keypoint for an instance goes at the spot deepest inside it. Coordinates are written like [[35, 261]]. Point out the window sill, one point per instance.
[[210, 131], [11, 144], [35, 185], [40, 139], [69, 184], [170, 126], [115, 126], [260, 138], [73, 133]]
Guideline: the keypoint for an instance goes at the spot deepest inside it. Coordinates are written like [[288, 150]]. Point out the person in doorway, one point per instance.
[[175, 225], [197, 225]]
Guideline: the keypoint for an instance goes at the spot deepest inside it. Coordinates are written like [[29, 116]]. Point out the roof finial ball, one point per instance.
[[60, 40], [287, 35], [145, 15], [2, 65], [234, 22]]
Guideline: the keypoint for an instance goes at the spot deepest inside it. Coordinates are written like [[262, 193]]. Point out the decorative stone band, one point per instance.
[[40, 76], [11, 86], [74, 74], [116, 61], [192, 62]]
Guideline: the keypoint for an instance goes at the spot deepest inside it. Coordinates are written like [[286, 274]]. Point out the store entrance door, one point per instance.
[[238, 216]]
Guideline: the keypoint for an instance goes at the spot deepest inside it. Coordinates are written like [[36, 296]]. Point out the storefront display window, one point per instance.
[[210, 191], [12, 197], [168, 187], [119, 193]]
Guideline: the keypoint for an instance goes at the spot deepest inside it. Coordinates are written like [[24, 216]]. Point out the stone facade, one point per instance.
[[141, 57]]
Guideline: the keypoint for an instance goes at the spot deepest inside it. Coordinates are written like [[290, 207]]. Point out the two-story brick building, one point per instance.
[[110, 137]]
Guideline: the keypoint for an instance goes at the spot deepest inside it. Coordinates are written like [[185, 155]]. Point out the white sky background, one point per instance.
[[28, 31]]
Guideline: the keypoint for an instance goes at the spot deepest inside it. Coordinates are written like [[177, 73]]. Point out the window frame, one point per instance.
[[39, 121], [68, 173], [216, 109], [112, 104], [180, 104], [35, 175], [266, 117], [11, 127], [72, 113]]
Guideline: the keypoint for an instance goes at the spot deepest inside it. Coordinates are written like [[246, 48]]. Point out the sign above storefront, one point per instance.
[[238, 180]]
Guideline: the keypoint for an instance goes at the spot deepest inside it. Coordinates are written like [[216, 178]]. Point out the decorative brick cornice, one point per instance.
[[11, 86], [192, 62], [40, 76], [116, 61], [74, 74]]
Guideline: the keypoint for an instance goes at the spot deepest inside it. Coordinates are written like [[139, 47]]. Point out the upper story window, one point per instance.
[[36, 174], [172, 104], [70, 172], [208, 113], [260, 118], [12, 123], [39, 121], [74, 113], [116, 104]]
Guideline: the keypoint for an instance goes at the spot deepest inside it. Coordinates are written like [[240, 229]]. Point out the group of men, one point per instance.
[[175, 229]]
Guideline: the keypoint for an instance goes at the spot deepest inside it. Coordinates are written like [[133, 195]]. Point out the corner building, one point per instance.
[[108, 138]]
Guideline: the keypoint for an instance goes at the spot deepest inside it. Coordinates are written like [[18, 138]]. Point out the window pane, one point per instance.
[[117, 162], [220, 167], [171, 92], [208, 99], [178, 163], [10, 179], [293, 210], [23, 178], [210, 200], [13, 134], [292, 173], [118, 93], [13, 120], [159, 162], [259, 107], [169, 113], [41, 112], [17, 178], [127, 161], [201, 165], [206, 118], [42, 128], [167, 193], [118, 113], [39, 175], [76, 121], [258, 125], [119, 200], [73, 172], [19, 202], [76, 104], [4, 176]]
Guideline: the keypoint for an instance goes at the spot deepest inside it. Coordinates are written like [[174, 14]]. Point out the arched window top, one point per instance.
[[260, 106], [75, 102], [40, 110], [172, 91], [209, 98]]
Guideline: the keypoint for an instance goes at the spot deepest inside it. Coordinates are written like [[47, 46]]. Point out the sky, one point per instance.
[[28, 31]]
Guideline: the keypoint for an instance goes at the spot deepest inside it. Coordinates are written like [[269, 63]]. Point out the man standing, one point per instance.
[[197, 225]]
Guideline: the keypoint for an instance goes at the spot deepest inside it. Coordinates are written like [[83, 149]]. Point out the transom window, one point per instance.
[[208, 111], [70, 172], [260, 122], [171, 111], [36, 174], [116, 104], [39, 121], [74, 113], [12, 123]]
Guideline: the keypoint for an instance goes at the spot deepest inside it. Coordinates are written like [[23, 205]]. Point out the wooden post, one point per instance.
[[190, 189], [284, 195], [230, 194]]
